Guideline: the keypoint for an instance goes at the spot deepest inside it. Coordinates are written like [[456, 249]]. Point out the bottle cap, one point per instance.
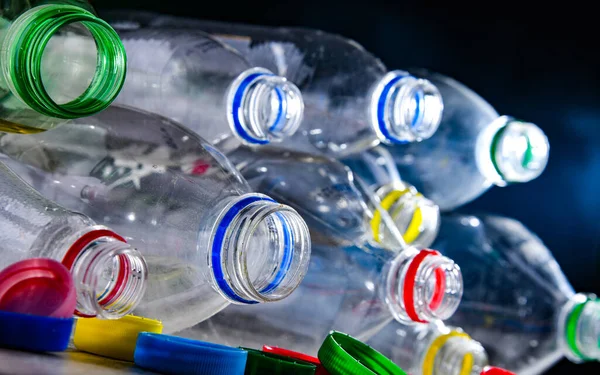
[[269, 363], [491, 370], [297, 355], [178, 355], [34, 333], [38, 286], [112, 338], [342, 354]]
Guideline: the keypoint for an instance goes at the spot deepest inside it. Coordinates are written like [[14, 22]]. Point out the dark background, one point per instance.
[[539, 64]]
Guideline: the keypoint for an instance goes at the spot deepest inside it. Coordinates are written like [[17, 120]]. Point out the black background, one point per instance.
[[540, 64]]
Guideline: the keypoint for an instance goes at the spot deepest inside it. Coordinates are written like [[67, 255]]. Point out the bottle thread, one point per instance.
[[263, 107], [579, 328]]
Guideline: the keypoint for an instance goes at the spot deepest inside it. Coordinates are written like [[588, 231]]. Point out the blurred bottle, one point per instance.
[[45, 80], [109, 274], [473, 149], [431, 349], [352, 101], [344, 289], [517, 302], [208, 241], [337, 206], [416, 216]]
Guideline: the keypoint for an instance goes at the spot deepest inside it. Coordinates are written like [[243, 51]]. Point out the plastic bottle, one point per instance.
[[207, 239], [473, 149], [416, 216], [431, 349], [109, 274], [352, 102], [44, 81], [517, 302], [336, 204], [347, 289]]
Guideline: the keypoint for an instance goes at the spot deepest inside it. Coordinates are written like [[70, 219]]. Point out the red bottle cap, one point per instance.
[[297, 355], [38, 286], [491, 370]]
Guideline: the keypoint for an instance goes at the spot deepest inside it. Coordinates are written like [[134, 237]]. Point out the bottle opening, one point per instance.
[[34, 60], [110, 276], [423, 286], [519, 151], [263, 107], [580, 324], [260, 250], [457, 354], [405, 109]]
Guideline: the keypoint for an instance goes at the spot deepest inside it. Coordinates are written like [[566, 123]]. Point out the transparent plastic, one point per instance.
[[473, 149], [45, 78], [336, 205], [207, 239], [208, 87], [109, 274], [415, 216], [430, 349], [351, 101], [345, 289], [517, 302]]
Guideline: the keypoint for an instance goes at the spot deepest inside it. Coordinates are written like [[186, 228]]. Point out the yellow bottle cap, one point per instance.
[[112, 338]]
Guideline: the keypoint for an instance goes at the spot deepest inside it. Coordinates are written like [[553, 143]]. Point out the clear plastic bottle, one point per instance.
[[416, 216], [207, 239], [351, 101], [473, 149], [109, 274], [334, 202], [517, 302], [44, 80], [346, 289], [431, 349]]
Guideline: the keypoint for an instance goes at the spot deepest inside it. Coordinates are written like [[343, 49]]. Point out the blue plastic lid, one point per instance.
[[178, 355], [34, 333]]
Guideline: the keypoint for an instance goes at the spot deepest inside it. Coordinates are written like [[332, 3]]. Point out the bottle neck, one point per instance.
[[110, 275], [422, 286], [259, 251], [454, 353], [416, 217], [263, 107], [579, 328], [404, 108], [23, 48], [511, 151]]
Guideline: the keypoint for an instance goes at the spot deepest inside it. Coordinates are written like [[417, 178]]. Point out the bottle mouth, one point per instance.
[[263, 107], [579, 324], [110, 275], [423, 286], [405, 109], [456, 353], [416, 217], [260, 250], [22, 60]]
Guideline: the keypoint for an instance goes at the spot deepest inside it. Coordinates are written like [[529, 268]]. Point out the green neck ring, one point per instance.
[[571, 329]]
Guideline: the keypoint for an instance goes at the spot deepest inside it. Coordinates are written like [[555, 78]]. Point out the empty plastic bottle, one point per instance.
[[352, 101], [416, 216], [334, 203], [208, 87], [44, 80], [517, 302], [433, 349], [473, 149], [345, 289], [109, 274], [207, 239]]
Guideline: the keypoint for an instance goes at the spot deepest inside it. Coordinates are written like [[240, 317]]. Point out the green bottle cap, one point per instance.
[[260, 363], [341, 354]]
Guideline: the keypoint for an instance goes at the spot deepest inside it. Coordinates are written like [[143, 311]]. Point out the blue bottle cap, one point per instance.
[[34, 333], [178, 355]]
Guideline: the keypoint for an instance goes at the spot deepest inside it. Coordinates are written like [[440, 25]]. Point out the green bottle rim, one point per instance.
[[22, 60], [260, 363], [342, 354], [571, 329]]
